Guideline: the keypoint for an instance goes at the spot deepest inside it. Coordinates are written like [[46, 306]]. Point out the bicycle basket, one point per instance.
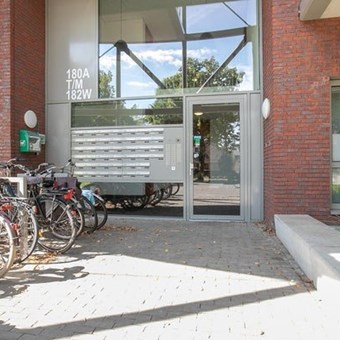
[[65, 182]]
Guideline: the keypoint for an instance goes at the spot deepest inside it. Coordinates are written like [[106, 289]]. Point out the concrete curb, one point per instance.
[[315, 247]]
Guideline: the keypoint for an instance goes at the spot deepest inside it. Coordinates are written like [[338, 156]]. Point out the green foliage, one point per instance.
[[336, 193], [106, 90], [225, 132], [171, 112], [336, 112], [199, 71]]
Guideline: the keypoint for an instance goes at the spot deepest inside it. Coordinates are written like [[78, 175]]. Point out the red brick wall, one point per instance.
[[22, 53], [300, 57], [5, 79]]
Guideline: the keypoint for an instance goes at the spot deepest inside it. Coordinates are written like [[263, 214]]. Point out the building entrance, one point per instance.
[[124, 80], [206, 163], [216, 157]]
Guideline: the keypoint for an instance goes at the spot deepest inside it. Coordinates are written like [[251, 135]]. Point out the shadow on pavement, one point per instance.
[[227, 247]]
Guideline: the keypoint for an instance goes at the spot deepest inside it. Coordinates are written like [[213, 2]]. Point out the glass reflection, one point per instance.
[[141, 112], [141, 199], [336, 123], [216, 159], [336, 186], [336, 144], [162, 48]]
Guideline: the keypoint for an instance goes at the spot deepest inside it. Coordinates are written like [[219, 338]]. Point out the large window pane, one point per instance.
[[335, 97], [336, 123], [158, 47], [141, 199], [336, 186], [140, 112], [216, 159]]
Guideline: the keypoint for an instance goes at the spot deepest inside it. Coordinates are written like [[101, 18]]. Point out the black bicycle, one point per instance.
[[56, 230]]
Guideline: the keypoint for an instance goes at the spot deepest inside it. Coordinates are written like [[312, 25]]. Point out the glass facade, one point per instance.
[[138, 112], [129, 140], [124, 144], [168, 47]]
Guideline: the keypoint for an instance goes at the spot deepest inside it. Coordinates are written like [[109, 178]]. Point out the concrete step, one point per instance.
[[316, 248]]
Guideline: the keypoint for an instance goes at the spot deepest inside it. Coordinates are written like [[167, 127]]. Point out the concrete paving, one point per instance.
[[166, 279], [316, 248]]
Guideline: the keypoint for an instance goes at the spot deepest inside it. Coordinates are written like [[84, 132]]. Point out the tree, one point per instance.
[[198, 72], [118, 115], [106, 90], [218, 130]]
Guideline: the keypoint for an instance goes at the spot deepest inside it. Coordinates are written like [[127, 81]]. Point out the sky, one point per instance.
[[164, 59]]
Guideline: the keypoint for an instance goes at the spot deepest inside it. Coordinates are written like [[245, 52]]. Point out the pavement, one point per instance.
[[166, 279]]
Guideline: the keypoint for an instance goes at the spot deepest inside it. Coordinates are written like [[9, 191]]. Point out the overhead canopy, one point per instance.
[[319, 9]]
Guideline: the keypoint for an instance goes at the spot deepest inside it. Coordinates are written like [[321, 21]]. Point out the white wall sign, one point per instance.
[[72, 50], [75, 80]]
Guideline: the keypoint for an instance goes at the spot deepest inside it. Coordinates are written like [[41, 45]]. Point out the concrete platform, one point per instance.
[[316, 248]]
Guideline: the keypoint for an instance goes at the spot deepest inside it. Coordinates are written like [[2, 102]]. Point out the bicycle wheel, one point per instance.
[[90, 214], [156, 197], [25, 227], [78, 216], [57, 232], [101, 210], [134, 202], [175, 188], [167, 191], [7, 247]]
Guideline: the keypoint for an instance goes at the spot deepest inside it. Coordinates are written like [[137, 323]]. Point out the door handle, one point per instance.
[[191, 168]]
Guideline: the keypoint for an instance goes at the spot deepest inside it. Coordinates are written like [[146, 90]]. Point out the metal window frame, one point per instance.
[[335, 207]]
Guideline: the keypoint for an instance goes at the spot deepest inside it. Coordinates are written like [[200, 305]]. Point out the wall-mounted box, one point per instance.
[[42, 139], [30, 141]]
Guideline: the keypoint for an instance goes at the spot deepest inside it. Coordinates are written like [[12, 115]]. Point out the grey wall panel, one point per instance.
[[58, 134], [72, 50], [256, 158]]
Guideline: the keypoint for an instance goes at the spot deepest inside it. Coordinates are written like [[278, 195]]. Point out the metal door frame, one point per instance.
[[189, 102]]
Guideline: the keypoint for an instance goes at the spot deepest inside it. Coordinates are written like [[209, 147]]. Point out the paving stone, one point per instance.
[[167, 279]]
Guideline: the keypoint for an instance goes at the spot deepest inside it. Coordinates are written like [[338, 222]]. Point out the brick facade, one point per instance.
[[5, 78], [22, 72], [300, 58]]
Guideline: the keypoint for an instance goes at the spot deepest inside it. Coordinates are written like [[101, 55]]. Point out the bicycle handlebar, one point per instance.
[[9, 165], [53, 168]]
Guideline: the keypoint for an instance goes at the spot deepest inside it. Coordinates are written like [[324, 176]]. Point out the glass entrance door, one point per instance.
[[216, 157]]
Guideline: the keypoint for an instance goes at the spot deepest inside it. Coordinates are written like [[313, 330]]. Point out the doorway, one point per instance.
[[216, 156]]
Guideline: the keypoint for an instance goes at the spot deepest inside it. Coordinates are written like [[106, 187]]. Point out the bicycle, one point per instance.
[[99, 204], [93, 198], [7, 247], [79, 200], [24, 226], [23, 222], [57, 232]]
